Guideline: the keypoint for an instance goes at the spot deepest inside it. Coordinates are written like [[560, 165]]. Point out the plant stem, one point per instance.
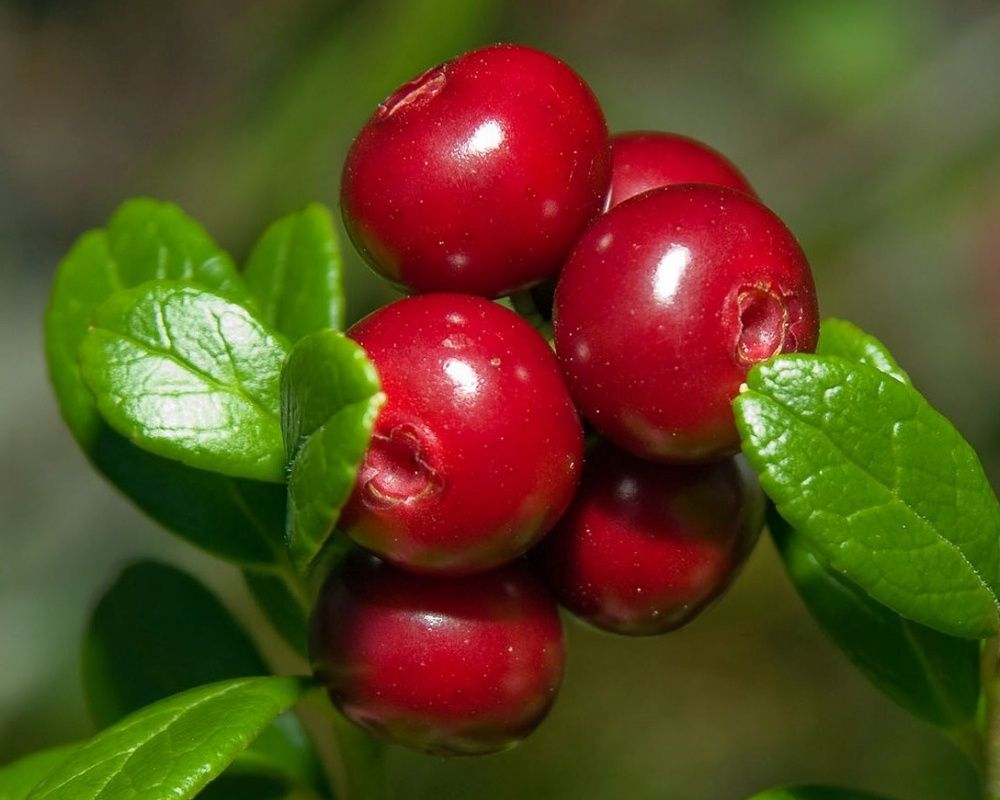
[[970, 741], [361, 773], [991, 719]]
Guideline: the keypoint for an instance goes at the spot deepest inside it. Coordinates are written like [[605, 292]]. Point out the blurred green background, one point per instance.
[[871, 126]]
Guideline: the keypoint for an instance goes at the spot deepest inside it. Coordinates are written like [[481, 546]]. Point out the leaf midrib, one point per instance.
[[236, 390]]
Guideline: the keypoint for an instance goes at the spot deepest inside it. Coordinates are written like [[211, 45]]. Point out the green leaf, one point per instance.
[[294, 272], [330, 397], [817, 793], [238, 520], [158, 631], [283, 608], [188, 375], [930, 674], [150, 239], [882, 486], [19, 778], [170, 750], [837, 337], [85, 278]]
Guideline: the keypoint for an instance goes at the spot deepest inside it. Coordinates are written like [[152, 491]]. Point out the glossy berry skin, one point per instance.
[[477, 450], [645, 547], [665, 305], [454, 666], [479, 175], [644, 160]]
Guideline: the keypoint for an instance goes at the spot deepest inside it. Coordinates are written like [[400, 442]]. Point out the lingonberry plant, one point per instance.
[[405, 500]]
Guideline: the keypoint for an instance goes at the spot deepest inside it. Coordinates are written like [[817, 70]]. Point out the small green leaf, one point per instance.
[[150, 239], [294, 272], [287, 613], [930, 674], [816, 793], [330, 397], [158, 631], [19, 778], [837, 337], [882, 486], [238, 520], [170, 750], [86, 277], [188, 375]]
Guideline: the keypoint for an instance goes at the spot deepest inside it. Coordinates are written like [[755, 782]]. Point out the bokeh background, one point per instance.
[[871, 126]]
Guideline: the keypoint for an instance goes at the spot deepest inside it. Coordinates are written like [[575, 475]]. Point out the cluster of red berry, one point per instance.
[[490, 175]]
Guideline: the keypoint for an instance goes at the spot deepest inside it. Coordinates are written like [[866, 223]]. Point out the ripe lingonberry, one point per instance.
[[666, 303], [644, 547], [455, 666], [477, 450], [479, 175], [644, 160]]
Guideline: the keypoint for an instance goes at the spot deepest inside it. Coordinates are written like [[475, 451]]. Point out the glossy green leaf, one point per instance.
[[20, 777], [188, 375], [930, 674], [157, 632], [149, 239], [330, 397], [882, 486], [170, 750], [294, 273], [837, 337], [287, 613], [238, 520], [817, 793]]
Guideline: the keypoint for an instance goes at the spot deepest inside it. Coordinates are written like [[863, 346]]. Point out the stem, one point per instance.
[[969, 740], [359, 759], [361, 773], [991, 720]]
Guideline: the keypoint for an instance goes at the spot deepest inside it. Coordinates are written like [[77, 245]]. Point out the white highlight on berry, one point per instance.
[[667, 277]]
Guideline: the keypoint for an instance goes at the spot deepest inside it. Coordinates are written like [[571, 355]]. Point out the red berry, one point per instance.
[[479, 175], [477, 450], [646, 160], [448, 665], [666, 303], [645, 547]]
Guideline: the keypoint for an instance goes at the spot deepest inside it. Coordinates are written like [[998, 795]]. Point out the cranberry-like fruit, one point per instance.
[[645, 547], [455, 666], [479, 175], [666, 303], [645, 160], [477, 450]]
